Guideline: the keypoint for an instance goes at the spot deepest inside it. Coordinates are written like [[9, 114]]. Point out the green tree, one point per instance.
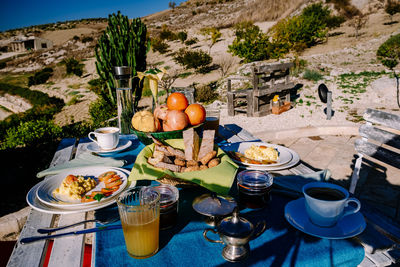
[[389, 54], [251, 44], [172, 5], [212, 34]]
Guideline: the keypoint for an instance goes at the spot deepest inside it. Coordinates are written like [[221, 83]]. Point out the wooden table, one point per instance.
[[69, 251]]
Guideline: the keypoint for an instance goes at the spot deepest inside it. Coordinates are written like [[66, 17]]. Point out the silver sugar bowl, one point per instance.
[[214, 208], [235, 232]]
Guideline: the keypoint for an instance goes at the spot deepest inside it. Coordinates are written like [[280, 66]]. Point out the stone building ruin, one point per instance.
[[30, 43]]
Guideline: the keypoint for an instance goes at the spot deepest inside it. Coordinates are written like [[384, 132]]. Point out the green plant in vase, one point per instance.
[[151, 79]]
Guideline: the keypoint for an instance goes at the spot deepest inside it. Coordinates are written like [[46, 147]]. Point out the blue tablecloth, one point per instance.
[[184, 245]]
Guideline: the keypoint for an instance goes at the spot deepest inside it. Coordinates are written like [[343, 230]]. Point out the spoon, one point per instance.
[[101, 221]]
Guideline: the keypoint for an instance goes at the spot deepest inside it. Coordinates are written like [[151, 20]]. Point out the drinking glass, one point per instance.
[[212, 120], [139, 209]]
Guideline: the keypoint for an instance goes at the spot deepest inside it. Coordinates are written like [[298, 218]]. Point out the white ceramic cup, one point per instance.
[[107, 138], [327, 203]]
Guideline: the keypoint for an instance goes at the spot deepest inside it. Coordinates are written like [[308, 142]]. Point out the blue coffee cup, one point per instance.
[[327, 203]]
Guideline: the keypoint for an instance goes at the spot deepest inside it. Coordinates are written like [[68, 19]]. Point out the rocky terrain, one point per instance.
[[341, 54]]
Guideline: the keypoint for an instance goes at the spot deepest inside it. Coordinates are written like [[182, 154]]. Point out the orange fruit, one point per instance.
[[177, 101], [196, 114]]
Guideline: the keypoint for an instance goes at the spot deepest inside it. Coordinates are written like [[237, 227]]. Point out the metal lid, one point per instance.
[[255, 179], [213, 205], [169, 194], [122, 71], [235, 226]]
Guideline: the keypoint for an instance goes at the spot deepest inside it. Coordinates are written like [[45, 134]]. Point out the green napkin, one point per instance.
[[83, 160], [218, 179]]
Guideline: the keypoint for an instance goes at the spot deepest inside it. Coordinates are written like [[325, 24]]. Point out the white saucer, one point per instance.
[[122, 145], [295, 159], [348, 226]]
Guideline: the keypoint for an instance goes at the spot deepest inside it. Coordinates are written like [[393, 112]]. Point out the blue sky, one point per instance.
[[22, 13]]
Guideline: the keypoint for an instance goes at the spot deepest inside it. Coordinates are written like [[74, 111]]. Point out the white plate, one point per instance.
[[122, 145], [45, 191], [348, 226], [36, 204], [295, 159], [284, 154]]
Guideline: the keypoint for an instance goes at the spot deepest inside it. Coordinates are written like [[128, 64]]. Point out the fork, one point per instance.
[[53, 229]]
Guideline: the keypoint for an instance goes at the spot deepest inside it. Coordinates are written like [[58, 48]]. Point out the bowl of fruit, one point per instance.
[[168, 121]]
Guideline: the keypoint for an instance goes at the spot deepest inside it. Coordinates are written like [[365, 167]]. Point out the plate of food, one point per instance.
[[260, 154], [82, 187]]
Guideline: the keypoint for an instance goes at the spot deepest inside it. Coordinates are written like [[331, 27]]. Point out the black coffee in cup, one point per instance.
[[324, 193]]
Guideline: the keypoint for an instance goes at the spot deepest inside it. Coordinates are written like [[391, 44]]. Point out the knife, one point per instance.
[[27, 240]]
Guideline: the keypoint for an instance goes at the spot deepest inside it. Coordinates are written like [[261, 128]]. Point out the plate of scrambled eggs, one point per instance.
[[82, 187], [263, 154]]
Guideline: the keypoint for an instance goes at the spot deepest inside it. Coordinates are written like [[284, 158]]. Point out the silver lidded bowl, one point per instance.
[[214, 208]]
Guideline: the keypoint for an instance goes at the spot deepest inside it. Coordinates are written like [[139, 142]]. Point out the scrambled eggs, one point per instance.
[[261, 153], [75, 187]]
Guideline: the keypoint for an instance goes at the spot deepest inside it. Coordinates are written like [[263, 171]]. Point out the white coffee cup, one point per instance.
[[327, 203], [107, 138]]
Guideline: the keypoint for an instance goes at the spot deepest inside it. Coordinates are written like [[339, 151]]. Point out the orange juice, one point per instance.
[[142, 238]]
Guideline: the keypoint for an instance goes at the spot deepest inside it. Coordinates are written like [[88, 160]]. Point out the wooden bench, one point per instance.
[[267, 80], [380, 141]]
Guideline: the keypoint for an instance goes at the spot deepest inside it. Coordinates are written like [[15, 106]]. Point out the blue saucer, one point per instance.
[[348, 226]]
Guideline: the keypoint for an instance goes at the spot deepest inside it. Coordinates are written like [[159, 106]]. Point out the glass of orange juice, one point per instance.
[[139, 209]]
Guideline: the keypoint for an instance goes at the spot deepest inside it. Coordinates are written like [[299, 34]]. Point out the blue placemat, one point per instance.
[[184, 245]]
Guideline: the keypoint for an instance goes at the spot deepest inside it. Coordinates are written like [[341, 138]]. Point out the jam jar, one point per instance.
[[169, 196], [254, 188]]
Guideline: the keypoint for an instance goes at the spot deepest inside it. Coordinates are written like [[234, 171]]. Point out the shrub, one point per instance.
[[251, 44], [167, 34], [195, 59], [182, 36], [158, 45], [75, 38], [389, 52], [74, 67], [96, 86], [206, 93], [191, 41], [392, 7], [305, 30], [87, 39], [312, 75], [334, 21], [40, 77], [3, 65], [31, 132], [101, 110]]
